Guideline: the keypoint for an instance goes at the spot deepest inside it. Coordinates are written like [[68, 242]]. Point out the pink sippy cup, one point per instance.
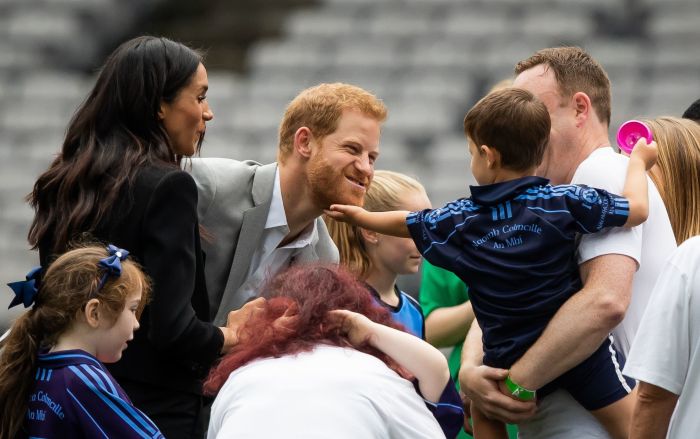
[[630, 132]]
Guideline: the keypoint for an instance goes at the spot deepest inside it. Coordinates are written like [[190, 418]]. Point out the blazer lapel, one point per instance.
[[248, 241]]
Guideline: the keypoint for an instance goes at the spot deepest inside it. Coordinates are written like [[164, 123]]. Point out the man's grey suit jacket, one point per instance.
[[234, 200]]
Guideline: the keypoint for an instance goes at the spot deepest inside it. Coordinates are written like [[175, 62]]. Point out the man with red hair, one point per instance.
[[264, 218]]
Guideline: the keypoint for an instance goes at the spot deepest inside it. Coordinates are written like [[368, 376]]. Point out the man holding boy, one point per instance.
[[261, 219], [576, 91]]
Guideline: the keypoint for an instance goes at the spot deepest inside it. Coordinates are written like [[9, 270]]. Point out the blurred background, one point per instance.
[[430, 60]]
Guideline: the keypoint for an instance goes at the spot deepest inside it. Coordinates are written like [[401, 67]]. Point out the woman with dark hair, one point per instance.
[[118, 179], [319, 358]]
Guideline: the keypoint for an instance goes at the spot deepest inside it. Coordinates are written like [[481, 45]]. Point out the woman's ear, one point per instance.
[[162, 110], [493, 157], [92, 313], [368, 236]]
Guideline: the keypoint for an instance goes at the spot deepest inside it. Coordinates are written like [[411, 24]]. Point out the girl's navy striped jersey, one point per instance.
[[514, 244], [75, 397]]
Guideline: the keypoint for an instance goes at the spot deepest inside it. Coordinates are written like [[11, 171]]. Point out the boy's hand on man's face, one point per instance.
[[344, 212]]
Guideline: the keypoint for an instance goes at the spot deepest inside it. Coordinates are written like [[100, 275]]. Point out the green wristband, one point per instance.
[[518, 391]]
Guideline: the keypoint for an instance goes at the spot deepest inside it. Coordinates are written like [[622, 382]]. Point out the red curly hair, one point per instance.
[[305, 295]]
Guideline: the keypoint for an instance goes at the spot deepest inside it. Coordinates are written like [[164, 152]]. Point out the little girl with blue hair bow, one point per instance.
[[84, 310]]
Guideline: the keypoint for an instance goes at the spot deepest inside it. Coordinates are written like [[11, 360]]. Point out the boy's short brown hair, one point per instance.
[[513, 122]]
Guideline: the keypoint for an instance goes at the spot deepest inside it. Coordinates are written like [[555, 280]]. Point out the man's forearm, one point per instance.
[[581, 324], [652, 412], [473, 349], [480, 384]]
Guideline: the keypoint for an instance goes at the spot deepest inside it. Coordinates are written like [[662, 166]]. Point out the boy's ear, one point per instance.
[[92, 313], [368, 236], [493, 157]]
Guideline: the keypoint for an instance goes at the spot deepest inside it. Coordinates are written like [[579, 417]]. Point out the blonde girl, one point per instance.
[[52, 380], [378, 259], [677, 172]]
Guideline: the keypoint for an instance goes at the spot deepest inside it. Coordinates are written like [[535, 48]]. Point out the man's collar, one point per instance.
[[307, 237], [276, 216], [498, 192]]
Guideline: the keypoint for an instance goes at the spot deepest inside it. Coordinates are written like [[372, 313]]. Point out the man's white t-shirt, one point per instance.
[[330, 392], [559, 416], [666, 350]]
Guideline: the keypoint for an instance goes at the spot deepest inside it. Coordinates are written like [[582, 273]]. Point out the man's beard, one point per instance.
[[329, 186]]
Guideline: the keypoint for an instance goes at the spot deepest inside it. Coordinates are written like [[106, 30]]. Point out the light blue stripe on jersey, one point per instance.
[[133, 411], [450, 235], [546, 196], [87, 413], [100, 380], [443, 404], [548, 211], [109, 403], [59, 356]]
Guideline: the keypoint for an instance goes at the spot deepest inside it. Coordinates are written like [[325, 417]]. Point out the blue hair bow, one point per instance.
[[112, 264], [26, 290]]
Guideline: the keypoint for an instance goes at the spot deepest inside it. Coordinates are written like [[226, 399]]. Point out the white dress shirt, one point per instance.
[[269, 258]]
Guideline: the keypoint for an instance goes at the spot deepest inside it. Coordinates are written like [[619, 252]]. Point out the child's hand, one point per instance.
[[345, 212], [355, 325], [647, 153]]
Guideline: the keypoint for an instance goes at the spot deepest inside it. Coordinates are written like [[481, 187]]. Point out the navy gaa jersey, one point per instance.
[[448, 411], [75, 397], [514, 244], [408, 312]]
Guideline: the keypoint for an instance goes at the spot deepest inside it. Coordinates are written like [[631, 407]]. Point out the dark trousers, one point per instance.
[[178, 415]]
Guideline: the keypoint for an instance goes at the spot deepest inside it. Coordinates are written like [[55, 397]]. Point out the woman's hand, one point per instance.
[[237, 319]]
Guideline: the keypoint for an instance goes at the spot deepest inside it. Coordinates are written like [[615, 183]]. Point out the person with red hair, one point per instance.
[[318, 356]]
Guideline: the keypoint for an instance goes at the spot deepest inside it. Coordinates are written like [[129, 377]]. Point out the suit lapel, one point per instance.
[[248, 240]]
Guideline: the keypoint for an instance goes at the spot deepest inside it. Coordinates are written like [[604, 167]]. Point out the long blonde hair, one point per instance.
[[384, 194], [678, 175], [68, 284]]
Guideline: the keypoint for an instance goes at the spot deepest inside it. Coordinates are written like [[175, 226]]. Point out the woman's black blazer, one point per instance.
[[155, 219]]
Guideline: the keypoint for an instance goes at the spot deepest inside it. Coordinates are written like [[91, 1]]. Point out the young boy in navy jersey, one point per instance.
[[514, 241]]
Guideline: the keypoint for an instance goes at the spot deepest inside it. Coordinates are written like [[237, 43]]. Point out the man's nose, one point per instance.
[[365, 165]]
